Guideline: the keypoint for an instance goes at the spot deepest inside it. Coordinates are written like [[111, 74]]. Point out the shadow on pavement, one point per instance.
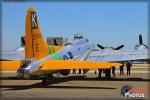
[[82, 78], [38, 85], [65, 79]]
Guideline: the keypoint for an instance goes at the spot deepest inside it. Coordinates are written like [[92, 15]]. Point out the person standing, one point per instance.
[[113, 71], [128, 65], [74, 71], [79, 71], [122, 69]]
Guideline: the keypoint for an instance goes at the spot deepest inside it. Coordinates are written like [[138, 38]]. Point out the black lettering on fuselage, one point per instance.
[[70, 56], [34, 23]]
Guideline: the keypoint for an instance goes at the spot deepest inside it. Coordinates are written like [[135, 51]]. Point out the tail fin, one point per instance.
[[35, 46]]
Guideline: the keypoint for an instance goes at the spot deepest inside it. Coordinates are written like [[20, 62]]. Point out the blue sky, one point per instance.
[[106, 23]]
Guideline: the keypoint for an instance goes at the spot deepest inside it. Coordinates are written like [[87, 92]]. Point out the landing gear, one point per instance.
[[108, 73], [46, 79], [100, 73]]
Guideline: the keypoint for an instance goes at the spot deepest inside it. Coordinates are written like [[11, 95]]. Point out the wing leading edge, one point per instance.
[[118, 56]]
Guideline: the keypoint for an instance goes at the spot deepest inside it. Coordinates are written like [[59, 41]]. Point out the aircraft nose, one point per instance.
[[23, 73]]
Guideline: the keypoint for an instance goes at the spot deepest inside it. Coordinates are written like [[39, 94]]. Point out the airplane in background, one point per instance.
[[19, 53], [78, 54]]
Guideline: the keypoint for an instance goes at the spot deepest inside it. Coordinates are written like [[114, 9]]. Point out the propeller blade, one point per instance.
[[119, 47], [100, 46], [140, 39]]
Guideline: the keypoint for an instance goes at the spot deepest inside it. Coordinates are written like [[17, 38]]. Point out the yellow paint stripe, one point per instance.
[[67, 64]]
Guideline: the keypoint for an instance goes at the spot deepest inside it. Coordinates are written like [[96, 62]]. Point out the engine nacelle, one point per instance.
[[141, 47], [65, 72]]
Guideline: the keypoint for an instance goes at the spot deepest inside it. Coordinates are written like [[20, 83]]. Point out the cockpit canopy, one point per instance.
[[78, 39], [76, 42]]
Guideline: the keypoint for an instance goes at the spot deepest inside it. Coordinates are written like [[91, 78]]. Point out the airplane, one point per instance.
[[9, 55], [40, 62], [140, 54]]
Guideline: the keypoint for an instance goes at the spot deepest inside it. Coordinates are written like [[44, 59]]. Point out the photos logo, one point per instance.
[[128, 91]]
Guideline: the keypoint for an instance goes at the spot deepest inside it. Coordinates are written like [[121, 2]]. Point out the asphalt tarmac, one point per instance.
[[75, 86]]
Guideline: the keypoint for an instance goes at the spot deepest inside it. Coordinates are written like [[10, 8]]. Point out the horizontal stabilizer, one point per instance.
[[68, 64], [10, 65]]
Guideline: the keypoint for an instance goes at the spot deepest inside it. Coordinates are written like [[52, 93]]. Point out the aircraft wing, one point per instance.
[[11, 55], [70, 64], [118, 56], [97, 59]]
